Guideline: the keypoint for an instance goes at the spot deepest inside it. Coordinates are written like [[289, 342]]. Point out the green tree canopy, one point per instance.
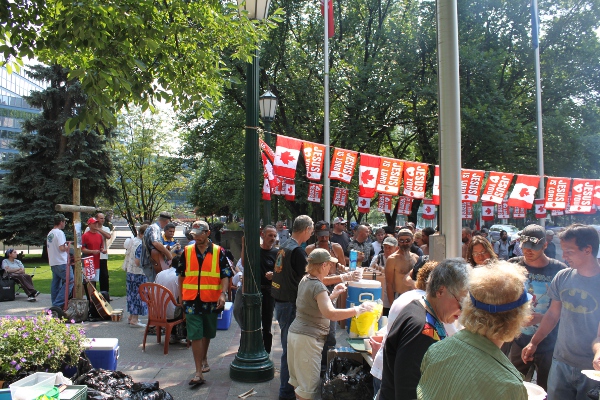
[[131, 51], [41, 175], [147, 174]]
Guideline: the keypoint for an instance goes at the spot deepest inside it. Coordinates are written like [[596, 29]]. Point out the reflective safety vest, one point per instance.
[[206, 280]]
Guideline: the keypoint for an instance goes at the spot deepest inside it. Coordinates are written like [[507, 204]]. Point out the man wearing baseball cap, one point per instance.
[[575, 300], [340, 236], [92, 244], [153, 241], [203, 293], [57, 245], [540, 271], [390, 246]]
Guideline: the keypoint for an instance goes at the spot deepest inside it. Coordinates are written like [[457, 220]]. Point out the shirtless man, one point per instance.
[[399, 265], [323, 233]]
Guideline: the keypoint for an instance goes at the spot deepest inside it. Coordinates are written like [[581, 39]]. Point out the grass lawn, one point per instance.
[[43, 275]]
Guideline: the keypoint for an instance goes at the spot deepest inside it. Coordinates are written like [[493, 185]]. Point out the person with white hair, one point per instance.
[[470, 364]]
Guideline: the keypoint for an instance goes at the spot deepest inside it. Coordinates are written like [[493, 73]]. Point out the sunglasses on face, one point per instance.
[[481, 253], [531, 239], [403, 241]]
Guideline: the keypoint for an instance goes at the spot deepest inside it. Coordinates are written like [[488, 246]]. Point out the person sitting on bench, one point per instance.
[[16, 271]]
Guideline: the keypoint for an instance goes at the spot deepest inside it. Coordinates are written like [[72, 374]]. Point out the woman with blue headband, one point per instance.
[[470, 364]]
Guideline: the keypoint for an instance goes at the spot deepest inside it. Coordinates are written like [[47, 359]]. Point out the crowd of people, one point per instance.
[[473, 327]]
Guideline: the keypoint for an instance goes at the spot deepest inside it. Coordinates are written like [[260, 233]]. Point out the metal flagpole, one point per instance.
[[538, 99], [326, 187]]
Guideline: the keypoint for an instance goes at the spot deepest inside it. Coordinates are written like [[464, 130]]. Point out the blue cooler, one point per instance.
[[103, 352], [361, 291], [224, 317]]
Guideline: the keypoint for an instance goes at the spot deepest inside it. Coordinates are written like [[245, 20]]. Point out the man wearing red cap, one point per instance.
[[92, 243]]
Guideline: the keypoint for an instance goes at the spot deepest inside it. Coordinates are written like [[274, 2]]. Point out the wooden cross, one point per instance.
[[76, 209]]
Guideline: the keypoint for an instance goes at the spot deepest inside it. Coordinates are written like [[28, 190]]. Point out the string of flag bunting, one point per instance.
[[385, 176]]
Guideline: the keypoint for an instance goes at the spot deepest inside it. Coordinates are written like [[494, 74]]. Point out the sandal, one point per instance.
[[205, 368], [197, 380]]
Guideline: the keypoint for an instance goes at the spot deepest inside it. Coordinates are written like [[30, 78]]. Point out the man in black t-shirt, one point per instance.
[[268, 254], [339, 235], [540, 271]]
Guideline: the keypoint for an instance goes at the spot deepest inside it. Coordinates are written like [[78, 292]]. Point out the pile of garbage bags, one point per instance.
[[347, 379], [115, 385]]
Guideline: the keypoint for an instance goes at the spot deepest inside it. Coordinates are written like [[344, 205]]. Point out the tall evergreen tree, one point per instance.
[[41, 175]]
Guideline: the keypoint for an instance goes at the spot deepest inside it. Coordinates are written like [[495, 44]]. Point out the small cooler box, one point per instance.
[[103, 352], [224, 317], [361, 291]]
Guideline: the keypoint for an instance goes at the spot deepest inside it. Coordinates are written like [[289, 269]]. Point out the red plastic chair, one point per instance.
[[157, 297]]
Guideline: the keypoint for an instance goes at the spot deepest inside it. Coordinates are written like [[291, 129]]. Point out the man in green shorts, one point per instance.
[[204, 273]]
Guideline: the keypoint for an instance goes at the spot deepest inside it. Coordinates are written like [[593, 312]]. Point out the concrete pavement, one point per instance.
[[174, 370]]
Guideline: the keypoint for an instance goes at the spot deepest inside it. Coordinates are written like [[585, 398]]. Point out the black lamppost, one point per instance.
[[268, 107], [252, 363]]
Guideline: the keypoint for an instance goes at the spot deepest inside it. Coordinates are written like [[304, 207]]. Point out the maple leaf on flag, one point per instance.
[[466, 197], [290, 189], [553, 204], [363, 202], [488, 211], [286, 157], [427, 209], [366, 176], [524, 192]]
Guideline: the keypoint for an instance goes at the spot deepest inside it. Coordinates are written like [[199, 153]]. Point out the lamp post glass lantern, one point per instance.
[[268, 106], [257, 9], [252, 363]]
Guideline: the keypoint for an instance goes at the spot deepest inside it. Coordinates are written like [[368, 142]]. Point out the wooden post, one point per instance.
[[76, 209]]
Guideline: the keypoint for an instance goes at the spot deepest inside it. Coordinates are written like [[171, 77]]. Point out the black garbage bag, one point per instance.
[[347, 379], [115, 385]]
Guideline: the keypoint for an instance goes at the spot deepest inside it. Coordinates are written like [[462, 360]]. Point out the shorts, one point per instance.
[[201, 326], [304, 363]]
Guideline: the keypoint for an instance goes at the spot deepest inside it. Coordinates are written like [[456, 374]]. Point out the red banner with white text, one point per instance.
[[582, 195], [340, 197], [390, 176], [314, 192], [415, 179], [470, 182], [314, 157], [342, 165], [496, 187]]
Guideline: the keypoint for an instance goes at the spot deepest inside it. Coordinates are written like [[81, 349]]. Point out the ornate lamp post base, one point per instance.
[[252, 363]]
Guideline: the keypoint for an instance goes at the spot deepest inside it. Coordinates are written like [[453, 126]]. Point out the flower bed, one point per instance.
[[40, 343]]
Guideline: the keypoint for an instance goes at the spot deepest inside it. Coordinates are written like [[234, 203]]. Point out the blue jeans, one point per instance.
[[57, 288], [285, 313], [568, 383], [376, 387]]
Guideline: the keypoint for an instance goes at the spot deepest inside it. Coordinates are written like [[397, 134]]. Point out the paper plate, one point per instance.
[[534, 392], [592, 374]]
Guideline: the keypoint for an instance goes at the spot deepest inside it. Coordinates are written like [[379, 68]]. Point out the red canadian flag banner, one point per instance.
[[503, 210], [540, 210], [278, 189], [519, 212], [496, 187], [487, 210], [314, 156], [268, 171], [385, 204], [523, 192], [470, 182], [467, 210], [405, 205], [342, 165], [330, 23], [582, 195], [368, 173], [428, 209], [314, 192], [557, 190], [266, 149], [290, 190], [436, 186], [364, 204], [266, 192], [286, 156], [415, 179], [597, 193], [390, 175], [340, 197]]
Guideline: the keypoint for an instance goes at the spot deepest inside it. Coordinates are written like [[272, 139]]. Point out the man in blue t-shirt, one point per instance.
[[575, 302], [540, 272]]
